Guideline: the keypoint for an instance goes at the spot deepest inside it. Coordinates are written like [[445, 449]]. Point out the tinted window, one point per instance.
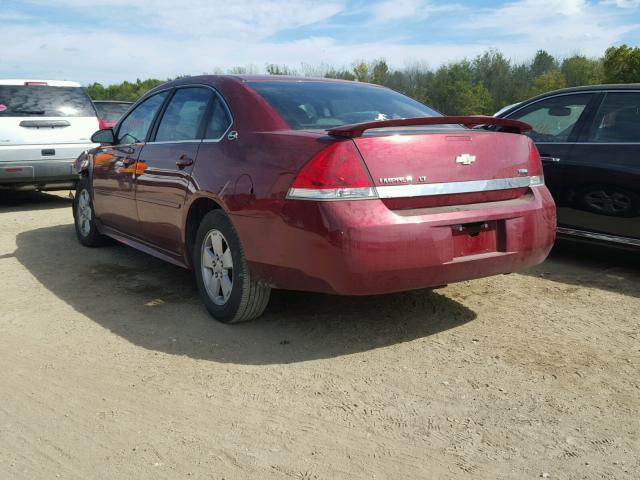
[[135, 127], [618, 119], [111, 111], [553, 119], [322, 105], [219, 120], [183, 116], [44, 101]]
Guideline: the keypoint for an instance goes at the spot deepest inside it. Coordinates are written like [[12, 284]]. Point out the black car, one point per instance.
[[589, 143]]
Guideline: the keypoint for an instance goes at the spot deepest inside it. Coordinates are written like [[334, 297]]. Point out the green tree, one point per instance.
[[379, 72], [493, 70], [551, 80], [542, 62], [273, 69], [622, 64], [580, 70], [453, 92], [340, 74], [361, 71]]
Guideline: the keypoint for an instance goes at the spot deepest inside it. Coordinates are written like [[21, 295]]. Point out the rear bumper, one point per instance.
[[40, 165], [363, 248], [46, 173]]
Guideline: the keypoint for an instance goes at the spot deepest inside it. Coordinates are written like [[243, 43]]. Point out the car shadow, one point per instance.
[[155, 305], [11, 201], [592, 265]]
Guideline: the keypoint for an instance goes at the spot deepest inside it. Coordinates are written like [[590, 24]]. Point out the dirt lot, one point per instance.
[[112, 369]]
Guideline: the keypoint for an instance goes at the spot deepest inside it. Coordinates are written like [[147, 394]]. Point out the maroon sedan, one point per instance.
[[318, 185]]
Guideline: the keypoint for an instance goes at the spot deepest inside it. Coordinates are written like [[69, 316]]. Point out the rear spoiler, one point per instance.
[[357, 129]]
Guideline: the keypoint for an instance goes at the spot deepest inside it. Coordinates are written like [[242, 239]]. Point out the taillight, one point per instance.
[[336, 172], [101, 124], [536, 177], [36, 84]]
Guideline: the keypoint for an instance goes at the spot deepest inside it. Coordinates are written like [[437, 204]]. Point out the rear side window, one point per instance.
[[111, 111], [44, 101], [183, 116], [618, 119], [135, 127], [322, 105], [219, 120], [553, 119]]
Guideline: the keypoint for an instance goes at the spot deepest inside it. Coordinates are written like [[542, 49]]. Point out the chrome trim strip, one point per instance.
[[427, 189], [173, 141], [599, 236], [332, 194]]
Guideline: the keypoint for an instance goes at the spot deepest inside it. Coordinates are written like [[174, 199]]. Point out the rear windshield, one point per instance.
[[44, 101], [321, 105], [111, 112]]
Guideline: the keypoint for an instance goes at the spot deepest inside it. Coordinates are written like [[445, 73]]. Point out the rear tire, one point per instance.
[[84, 216], [227, 287]]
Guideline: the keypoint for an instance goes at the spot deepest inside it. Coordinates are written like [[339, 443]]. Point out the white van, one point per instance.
[[44, 126]]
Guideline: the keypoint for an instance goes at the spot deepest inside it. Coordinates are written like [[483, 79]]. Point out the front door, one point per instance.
[[114, 168], [556, 122], [165, 165], [602, 175]]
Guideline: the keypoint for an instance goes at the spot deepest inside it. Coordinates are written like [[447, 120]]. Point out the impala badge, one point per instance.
[[396, 180], [465, 159]]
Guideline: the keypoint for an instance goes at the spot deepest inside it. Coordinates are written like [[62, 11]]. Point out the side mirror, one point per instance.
[[560, 111], [104, 136]]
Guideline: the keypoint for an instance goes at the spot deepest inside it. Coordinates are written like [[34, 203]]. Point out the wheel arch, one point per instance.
[[198, 208]]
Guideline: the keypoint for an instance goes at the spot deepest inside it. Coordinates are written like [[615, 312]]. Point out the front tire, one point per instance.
[[84, 216], [227, 287]]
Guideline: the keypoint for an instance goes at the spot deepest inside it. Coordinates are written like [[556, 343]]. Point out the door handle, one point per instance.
[[547, 158], [126, 150], [184, 161]]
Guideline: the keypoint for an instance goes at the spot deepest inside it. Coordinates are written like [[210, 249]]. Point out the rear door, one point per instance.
[[115, 166], [165, 165], [602, 176]]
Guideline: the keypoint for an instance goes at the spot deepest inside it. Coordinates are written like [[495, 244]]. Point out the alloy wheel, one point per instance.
[[84, 214], [217, 267], [609, 202]]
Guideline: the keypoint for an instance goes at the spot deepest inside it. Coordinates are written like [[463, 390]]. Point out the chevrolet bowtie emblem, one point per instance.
[[465, 159]]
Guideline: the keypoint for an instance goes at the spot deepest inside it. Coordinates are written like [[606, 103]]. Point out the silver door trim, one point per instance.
[[599, 236]]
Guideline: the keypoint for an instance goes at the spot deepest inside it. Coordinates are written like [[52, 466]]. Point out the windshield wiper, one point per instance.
[[30, 112]]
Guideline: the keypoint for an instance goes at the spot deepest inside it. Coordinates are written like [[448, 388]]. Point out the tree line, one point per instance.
[[481, 85]]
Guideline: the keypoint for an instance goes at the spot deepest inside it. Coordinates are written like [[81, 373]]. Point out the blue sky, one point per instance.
[[114, 40]]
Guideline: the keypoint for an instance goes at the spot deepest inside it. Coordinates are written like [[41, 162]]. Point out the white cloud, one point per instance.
[[622, 3], [391, 10], [231, 19], [559, 26], [197, 37]]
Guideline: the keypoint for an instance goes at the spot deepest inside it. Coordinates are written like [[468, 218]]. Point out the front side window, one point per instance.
[[323, 105], [219, 120], [135, 127], [618, 119], [183, 116], [553, 119]]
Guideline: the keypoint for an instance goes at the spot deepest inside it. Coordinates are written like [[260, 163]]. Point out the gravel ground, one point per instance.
[[112, 369]]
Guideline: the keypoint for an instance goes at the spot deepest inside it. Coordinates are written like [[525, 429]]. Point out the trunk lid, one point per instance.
[[447, 167]]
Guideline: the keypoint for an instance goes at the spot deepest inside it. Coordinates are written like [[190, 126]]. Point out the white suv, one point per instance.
[[44, 126]]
